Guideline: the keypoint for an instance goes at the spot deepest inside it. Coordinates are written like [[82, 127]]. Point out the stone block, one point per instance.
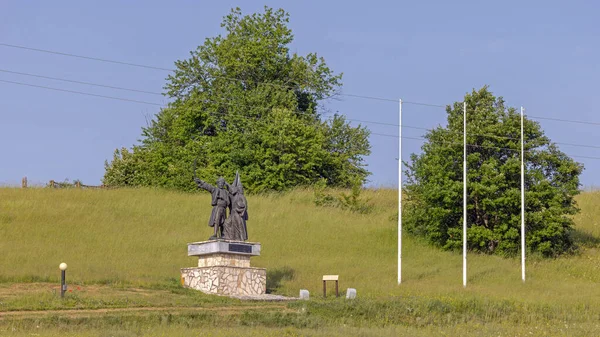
[[223, 280], [224, 259], [351, 293], [304, 294]]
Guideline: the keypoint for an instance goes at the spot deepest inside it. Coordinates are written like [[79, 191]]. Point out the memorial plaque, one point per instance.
[[240, 248]]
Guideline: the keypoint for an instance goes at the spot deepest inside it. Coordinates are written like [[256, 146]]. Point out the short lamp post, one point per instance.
[[63, 283]]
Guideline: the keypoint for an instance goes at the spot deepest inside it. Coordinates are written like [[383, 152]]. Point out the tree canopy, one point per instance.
[[435, 182], [242, 101]]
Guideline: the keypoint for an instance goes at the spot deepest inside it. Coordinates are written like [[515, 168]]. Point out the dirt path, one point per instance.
[[74, 313], [18, 289]]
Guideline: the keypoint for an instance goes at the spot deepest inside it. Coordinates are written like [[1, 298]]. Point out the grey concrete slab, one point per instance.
[[223, 246]]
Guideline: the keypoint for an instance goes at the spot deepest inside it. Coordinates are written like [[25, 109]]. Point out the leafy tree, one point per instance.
[[243, 102], [435, 184]]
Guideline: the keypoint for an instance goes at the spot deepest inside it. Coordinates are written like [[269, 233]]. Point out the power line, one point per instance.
[[157, 93], [426, 129], [80, 82], [584, 157], [371, 98], [424, 104], [472, 145], [233, 79], [394, 136], [384, 99], [373, 133], [85, 57], [133, 64], [210, 76], [579, 145], [258, 82], [81, 93], [471, 134], [356, 120], [120, 98], [233, 104], [446, 142], [564, 120], [380, 123]]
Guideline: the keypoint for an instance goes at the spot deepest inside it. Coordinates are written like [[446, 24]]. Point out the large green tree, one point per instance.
[[243, 102], [435, 184]]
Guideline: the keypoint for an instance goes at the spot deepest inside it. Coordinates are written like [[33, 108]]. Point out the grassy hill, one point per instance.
[[137, 238]]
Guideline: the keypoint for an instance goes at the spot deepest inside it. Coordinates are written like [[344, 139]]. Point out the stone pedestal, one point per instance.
[[224, 268]]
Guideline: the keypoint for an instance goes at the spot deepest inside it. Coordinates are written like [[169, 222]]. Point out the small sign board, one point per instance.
[[330, 277], [240, 248]]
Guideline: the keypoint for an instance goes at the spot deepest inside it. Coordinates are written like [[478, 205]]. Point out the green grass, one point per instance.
[[119, 240], [394, 331]]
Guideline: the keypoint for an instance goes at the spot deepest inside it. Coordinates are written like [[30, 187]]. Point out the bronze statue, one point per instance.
[[226, 196], [235, 225], [220, 202]]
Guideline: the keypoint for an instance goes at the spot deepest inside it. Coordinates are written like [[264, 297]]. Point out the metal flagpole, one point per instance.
[[400, 191], [465, 194], [522, 201]]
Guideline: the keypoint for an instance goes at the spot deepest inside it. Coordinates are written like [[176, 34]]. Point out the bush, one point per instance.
[[352, 201]]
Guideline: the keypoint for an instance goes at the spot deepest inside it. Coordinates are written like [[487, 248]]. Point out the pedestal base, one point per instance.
[[224, 269], [226, 280]]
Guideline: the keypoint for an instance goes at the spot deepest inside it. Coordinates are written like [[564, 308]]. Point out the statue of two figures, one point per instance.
[[225, 196]]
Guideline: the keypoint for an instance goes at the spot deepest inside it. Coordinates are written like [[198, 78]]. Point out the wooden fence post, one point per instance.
[[24, 182]]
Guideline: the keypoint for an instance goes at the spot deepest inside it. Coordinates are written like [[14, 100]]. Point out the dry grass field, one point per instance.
[[134, 240]]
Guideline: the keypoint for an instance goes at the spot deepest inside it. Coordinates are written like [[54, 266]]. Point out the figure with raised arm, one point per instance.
[[220, 202]]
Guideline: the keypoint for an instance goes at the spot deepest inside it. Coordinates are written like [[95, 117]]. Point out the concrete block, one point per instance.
[[351, 293], [304, 294], [223, 246]]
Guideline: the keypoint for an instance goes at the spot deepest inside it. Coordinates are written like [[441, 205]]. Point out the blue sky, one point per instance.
[[539, 54]]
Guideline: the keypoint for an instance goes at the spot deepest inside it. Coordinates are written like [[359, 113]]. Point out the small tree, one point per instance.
[[435, 182]]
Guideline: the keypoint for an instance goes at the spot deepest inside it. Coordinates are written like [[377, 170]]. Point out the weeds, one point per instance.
[[347, 201]]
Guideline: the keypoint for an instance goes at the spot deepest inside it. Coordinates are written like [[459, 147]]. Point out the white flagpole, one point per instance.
[[400, 191], [465, 194], [522, 201]]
